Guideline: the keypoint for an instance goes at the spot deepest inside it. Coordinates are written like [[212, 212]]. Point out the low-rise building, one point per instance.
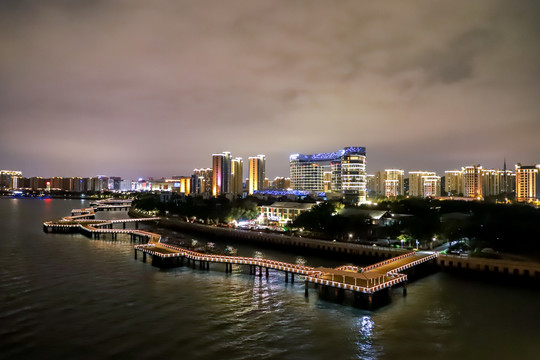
[[282, 212]]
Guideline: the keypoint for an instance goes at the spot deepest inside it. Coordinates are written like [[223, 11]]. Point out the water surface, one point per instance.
[[67, 296]]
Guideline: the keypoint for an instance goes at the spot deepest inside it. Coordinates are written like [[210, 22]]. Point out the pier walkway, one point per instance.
[[365, 280]]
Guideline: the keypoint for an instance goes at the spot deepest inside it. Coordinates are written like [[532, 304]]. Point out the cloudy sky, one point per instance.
[[153, 88]]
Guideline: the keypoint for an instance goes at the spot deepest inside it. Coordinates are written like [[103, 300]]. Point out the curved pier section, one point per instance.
[[367, 280]]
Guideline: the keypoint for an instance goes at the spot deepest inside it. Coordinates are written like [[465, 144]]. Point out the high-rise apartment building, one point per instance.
[[201, 181], [417, 181], [393, 182], [257, 173], [527, 183], [237, 176], [472, 181], [37, 183], [431, 186], [453, 182], [347, 168], [221, 173], [495, 182]]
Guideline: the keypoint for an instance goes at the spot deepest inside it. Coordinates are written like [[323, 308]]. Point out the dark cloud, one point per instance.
[[154, 88]]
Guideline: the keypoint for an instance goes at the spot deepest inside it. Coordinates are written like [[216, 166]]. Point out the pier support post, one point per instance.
[[405, 288], [260, 271], [306, 293], [135, 254], [137, 225], [286, 276], [208, 265], [124, 225], [292, 278], [267, 273], [143, 257]]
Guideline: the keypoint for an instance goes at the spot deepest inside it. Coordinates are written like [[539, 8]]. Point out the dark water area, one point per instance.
[[65, 296]]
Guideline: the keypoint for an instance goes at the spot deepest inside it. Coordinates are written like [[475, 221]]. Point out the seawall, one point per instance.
[[469, 266]]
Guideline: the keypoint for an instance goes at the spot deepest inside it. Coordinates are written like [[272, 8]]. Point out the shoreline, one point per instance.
[[511, 270]]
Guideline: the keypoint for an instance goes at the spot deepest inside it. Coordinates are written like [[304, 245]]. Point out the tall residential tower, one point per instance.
[[257, 173]]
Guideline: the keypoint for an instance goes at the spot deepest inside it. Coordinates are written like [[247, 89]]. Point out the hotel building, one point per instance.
[[346, 166]]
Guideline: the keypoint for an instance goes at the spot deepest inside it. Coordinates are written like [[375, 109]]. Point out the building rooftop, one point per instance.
[[330, 156], [291, 205], [372, 214]]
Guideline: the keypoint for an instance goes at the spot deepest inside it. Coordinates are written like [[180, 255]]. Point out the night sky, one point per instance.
[[152, 88]]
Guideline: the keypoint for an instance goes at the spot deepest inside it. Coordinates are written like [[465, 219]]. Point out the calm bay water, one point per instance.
[[66, 296]]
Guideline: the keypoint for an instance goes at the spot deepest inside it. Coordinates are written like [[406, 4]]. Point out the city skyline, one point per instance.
[[137, 90]]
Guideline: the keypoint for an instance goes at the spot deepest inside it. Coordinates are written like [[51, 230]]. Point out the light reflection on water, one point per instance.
[[66, 296]]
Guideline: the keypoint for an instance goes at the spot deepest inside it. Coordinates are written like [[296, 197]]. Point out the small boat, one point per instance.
[[229, 250]]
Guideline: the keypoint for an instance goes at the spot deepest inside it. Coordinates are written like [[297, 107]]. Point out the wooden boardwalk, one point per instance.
[[365, 280]]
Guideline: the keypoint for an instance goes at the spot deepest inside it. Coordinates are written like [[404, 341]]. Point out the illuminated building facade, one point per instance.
[[10, 179], [431, 186], [527, 183], [495, 182], [179, 184], [237, 176], [416, 182], [393, 182], [472, 181], [282, 212], [453, 182], [347, 168], [221, 173], [257, 173], [201, 181]]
